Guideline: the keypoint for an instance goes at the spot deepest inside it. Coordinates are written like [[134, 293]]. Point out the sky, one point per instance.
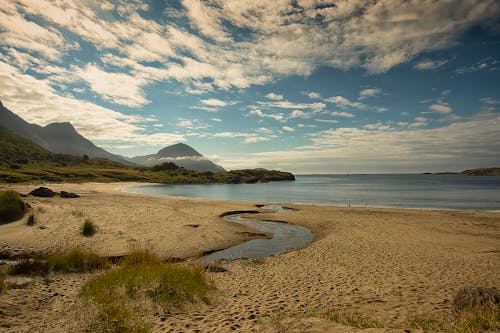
[[306, 86]]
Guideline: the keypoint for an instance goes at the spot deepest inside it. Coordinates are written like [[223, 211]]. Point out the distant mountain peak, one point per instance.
[[178, 150], [182, 155], [62, 126]]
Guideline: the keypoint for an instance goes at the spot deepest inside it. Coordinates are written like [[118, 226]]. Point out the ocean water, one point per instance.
[[406, 191]]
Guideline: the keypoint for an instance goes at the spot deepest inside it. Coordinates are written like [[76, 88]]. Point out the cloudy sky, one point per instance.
[[308, 86]]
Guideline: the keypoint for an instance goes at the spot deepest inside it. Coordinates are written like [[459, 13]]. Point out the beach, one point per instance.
[[392, 265]]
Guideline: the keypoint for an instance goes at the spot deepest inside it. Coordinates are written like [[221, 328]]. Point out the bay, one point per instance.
[[434, 191]]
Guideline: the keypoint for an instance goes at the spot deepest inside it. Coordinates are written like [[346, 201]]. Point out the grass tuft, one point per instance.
[[353, 319], [29, 267], [475, 309], [77, 261], [88, 228], [2, 281], [142, 278], [12, 206], [31, 220], [139, 257]]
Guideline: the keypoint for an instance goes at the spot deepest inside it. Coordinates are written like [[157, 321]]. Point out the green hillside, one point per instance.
[[23, 161]]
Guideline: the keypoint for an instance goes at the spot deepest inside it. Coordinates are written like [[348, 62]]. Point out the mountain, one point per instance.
[[180, 154], [59, 138]]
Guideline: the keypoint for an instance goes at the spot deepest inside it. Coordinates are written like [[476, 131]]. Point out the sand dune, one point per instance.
[[389, 264]]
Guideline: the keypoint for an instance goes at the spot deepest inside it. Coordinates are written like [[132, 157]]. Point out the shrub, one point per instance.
[[12, 207], [29, 267], [31, 220], [88, 228], [77, 261]]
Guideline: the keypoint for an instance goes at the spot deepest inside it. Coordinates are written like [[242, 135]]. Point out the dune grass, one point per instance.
[[88, 228], [353, 319], [74, 261], [29, 267], [77, 261], [141, 278], [12, 206], [475, 309]]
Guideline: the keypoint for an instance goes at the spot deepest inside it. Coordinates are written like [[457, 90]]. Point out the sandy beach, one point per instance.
[[392, 265]]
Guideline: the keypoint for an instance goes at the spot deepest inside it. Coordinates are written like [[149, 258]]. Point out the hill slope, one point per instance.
[[182, 155], [56, 137]]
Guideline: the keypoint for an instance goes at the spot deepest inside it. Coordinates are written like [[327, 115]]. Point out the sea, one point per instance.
[[425, 191]]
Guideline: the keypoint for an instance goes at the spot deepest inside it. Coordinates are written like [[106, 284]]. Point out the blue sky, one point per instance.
[[306, 86]]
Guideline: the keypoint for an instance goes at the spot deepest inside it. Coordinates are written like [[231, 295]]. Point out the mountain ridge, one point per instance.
[[59, 137]]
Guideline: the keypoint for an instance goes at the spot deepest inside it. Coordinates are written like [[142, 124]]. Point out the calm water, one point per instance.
[[285, 237], [409, 191]]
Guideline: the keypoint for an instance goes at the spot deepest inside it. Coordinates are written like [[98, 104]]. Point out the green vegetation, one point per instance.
[[468, 321], [29, 267], [77, 261], [23, 161], [31, 220], [120, 294], [482, 172], [88, 228], [475, 309], [12, 206], [353, 319], [74, 261]]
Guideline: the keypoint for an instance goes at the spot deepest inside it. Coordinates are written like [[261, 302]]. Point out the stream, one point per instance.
[[285, 237]]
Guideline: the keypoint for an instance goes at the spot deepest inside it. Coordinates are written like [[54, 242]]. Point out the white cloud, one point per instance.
[[291, 105], [441, 108], [37, 102], [470, 143], [274, 96], [275, 116], [192, 124], [117, 88], [488, 63], [328, 121], [298, 114], [345, 103], [288, 128], [369, 92], [213, 102], [313, 95], [217, 120], [427, 64], [489, 101], [342, 114], [255, 139]]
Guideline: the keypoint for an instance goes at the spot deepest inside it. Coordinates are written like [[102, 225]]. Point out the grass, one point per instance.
[[12, 206], [77, 261], [74, 261], [141, 278], [353, 319], [29, 267], [88, 228], [31, 220], [468, 321], [475, 309]]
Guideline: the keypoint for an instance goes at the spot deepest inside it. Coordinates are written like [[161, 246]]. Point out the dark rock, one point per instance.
[[194, 226], [43, 192], [65, 194]]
